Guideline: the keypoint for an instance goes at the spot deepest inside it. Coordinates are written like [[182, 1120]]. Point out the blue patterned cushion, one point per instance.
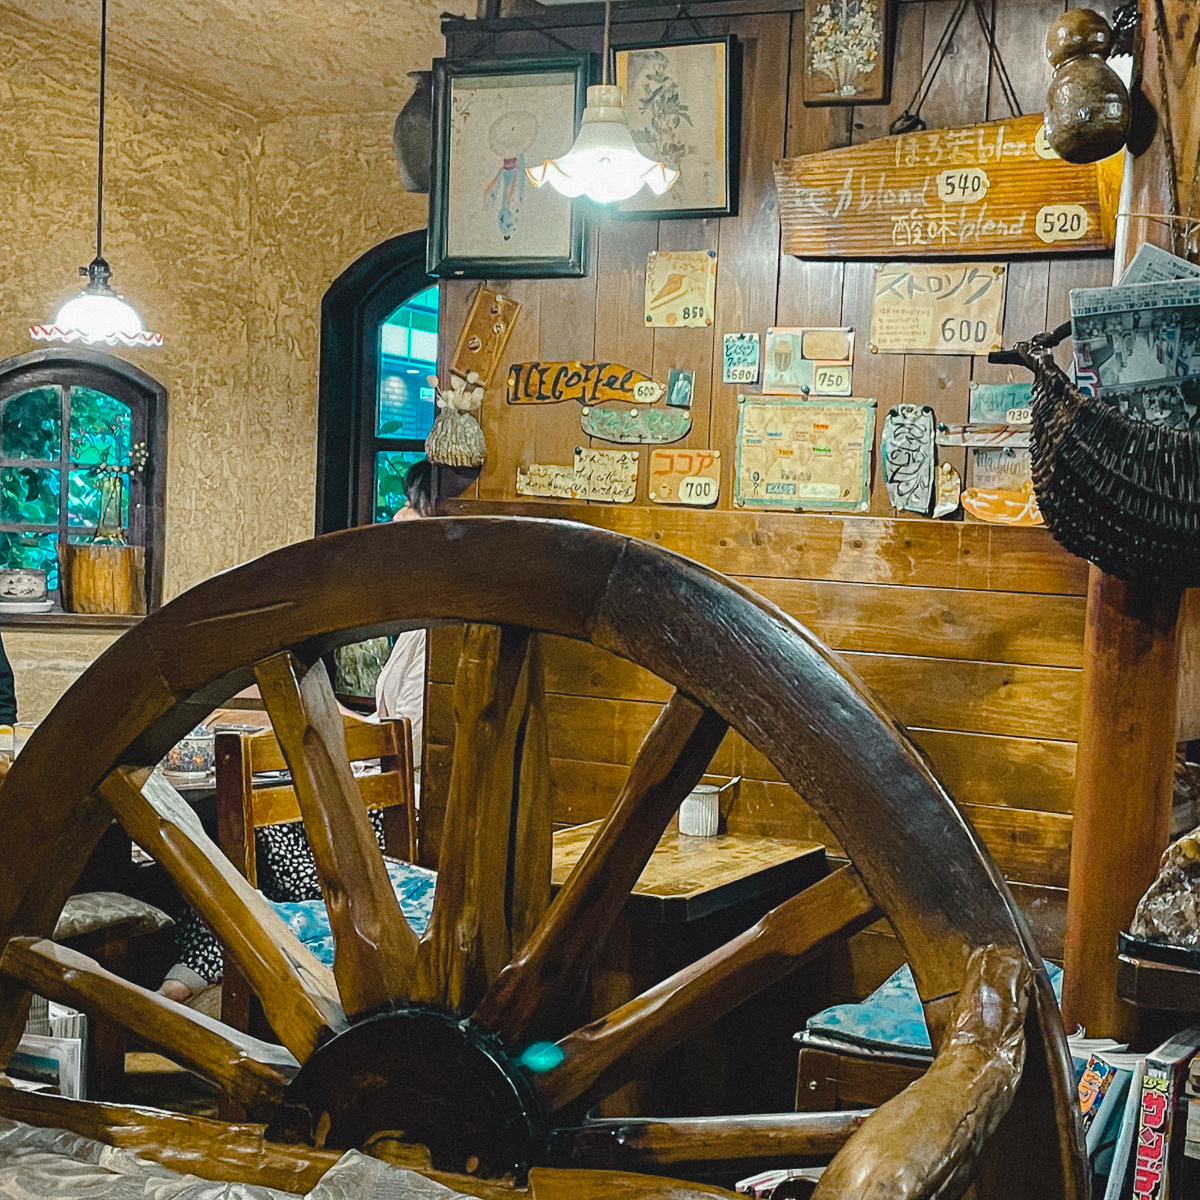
[[414, 887], [891, 1017]]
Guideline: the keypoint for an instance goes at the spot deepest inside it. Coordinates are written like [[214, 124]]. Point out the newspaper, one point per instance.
[[1138, 347], [1152, 265]]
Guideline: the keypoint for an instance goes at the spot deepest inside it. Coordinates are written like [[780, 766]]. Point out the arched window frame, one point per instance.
[[351, 311], [147, 400]]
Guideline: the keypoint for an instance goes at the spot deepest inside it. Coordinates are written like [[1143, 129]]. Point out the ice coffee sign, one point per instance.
[[995, 188]]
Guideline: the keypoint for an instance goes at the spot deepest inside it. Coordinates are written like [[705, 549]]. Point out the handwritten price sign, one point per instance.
[[691, 477]]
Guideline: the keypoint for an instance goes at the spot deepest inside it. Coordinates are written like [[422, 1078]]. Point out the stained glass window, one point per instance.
[[405, 400], [54, 443]]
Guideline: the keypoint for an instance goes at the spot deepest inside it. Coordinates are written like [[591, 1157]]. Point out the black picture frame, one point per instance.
[[642, 206], [439, 261]]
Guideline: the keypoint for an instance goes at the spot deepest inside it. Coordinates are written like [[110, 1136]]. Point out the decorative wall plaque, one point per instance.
[[1001, 404], [681, 288], [739, 358], [909, 456], [681, 385], [594, 475], [799, 362], [585, 382], [948, 490], [691, 477], [847, 51], [938, 308], [995, 188], [484, 336], [804, 453], [1001, 506], [636, 424]]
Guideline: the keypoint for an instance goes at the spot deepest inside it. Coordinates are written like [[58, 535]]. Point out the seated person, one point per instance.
[[287, 872]]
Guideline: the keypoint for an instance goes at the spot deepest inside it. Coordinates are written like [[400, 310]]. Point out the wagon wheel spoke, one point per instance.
[[297, 992], [547, 975], [656, 1143], [601, 1056], [534, 854], [551, 1183], [467, 942], [249, 1071], [374, 947]]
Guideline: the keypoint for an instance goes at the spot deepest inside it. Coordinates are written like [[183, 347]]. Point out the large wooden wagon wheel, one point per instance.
[[430, 1041]]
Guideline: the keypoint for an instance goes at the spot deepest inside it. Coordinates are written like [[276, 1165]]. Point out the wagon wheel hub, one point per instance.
[[417, 1075]]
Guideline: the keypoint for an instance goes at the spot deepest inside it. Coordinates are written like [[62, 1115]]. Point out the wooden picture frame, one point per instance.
[[709, 165], [492, 119], [846, 77]]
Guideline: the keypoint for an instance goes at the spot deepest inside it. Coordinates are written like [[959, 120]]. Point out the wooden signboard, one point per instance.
[[484, 336], [995, 188], [690, 477], [585, 382], [795, 454], [636, 424]]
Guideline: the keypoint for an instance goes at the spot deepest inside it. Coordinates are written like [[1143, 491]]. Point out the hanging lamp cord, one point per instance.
[[100, 138], [604, 51], [910, 120]]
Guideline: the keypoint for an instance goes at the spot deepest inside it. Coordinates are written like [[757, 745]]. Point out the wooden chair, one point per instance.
[[244, 806]]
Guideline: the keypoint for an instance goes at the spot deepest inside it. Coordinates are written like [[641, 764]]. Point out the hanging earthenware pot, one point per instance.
[[1087, 106], [412, 135]]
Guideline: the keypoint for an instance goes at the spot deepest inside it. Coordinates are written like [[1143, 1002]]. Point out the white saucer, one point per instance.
[[25, 606]]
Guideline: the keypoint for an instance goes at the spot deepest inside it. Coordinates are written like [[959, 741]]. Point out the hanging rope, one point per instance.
[[909, 121]]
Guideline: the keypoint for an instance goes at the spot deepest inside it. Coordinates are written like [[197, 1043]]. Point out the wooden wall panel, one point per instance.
[[970, 633]]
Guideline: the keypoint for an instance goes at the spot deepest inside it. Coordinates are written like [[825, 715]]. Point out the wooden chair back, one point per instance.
[[243, 807]]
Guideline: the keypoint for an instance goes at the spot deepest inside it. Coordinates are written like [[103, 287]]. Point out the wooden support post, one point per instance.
[[1129, 707], [1123, 779]]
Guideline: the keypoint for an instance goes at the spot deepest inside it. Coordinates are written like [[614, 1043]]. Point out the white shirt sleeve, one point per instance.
[[400, 691]]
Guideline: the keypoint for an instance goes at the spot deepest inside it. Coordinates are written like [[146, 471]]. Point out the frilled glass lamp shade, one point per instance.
[[604, 164], [97, 316]]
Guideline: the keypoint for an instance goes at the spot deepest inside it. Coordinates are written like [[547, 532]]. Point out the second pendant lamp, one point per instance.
[[604, 164], [97, 316]]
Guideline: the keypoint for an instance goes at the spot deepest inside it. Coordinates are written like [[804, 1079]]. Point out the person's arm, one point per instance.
[[8, 691]]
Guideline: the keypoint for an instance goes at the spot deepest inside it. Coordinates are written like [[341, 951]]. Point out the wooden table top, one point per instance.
[[691, 877]]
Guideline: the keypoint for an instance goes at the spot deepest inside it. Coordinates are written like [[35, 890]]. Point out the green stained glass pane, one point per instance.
[[36, 550], [83, 499], [29, 495], [391, 469], [32, 425], [101, 428]]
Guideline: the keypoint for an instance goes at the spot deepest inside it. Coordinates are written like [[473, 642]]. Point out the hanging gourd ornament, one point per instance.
[[456, 439], [1087, 107]]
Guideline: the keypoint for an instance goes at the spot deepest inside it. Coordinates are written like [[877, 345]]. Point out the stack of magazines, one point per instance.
[[1137, 345]]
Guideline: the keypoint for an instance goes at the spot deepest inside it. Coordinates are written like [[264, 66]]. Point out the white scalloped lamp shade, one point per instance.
[[604, 164], [97, 317]]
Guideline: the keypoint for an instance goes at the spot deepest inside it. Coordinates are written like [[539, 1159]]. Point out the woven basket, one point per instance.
[[1122, 493]]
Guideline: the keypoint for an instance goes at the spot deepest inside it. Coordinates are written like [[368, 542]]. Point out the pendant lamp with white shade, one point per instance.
[[97, 316], [604, 164]]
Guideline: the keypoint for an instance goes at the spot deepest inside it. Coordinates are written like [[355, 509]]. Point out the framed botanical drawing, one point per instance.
[[848, 51], [491, 120], [684, 102]]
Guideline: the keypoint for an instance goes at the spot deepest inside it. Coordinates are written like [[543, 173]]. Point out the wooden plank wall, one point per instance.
[[970, 633]]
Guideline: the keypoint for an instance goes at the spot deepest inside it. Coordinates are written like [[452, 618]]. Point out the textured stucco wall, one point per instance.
[[46, 664], [224, 233]]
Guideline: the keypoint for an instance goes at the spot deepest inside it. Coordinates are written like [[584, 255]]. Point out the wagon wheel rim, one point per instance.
[[735, 661]]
